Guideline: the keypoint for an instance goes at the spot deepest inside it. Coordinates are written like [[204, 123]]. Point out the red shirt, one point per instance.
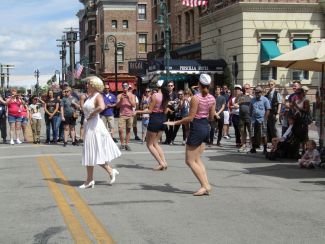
[[14, 107]]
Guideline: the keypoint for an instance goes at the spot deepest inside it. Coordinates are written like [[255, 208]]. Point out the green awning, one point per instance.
[[299, 43], [269, 50]]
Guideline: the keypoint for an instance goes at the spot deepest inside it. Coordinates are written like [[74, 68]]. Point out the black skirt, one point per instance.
[[199, 132], [156, 122]]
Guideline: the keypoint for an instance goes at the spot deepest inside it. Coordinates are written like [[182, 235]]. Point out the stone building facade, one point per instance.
[[248, 33]]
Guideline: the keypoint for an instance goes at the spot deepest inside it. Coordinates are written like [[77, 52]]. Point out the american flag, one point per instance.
[[194, 3], [78, 71]]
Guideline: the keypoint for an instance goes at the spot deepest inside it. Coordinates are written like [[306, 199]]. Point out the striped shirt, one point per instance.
[[205, 104]]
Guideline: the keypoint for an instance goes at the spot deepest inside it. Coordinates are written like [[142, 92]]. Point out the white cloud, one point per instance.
[[28, 40]]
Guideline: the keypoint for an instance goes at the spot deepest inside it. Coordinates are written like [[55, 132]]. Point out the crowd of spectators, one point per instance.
[[254, 114]]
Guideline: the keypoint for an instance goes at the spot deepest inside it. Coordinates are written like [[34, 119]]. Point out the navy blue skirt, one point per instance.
[[199, 132], [156, 122]]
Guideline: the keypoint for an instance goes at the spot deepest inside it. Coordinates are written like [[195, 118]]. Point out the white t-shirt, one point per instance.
[[35, 111]]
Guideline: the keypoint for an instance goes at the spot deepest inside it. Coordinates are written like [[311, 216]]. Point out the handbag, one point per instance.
[[306, 117]]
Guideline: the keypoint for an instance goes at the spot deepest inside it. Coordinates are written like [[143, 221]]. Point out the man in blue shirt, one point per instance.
[[107, 114], [259, 110]]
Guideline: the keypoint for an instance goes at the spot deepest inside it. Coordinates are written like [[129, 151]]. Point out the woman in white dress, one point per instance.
[[99, 147]]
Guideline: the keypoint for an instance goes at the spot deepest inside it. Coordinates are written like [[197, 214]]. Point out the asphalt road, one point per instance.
[[253, 200]]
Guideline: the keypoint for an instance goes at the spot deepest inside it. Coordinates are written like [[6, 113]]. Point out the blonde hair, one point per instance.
[[95, 82]]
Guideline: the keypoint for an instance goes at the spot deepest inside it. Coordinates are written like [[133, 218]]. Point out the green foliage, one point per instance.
[[227, 78]]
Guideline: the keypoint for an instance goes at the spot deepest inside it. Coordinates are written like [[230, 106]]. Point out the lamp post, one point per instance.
[[106, 48], [71, 38], [57, 72], [163, 21], [36, 74]]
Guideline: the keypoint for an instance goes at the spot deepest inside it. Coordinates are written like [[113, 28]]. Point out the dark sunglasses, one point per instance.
[[180, 94], [148, 91]]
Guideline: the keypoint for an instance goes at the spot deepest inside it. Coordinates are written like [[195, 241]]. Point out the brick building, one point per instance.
[[129, 21]]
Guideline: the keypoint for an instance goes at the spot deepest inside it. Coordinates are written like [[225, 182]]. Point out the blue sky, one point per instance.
[[28, 33]]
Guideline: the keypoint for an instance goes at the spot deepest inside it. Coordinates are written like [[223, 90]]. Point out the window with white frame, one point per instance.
[[120, 54], [142, 11], [142, 43], [125, 24], [114, 24], [300, 74], [268, 50]]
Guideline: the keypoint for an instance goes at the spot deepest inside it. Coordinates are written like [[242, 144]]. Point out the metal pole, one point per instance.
[[2, 78], [7, 77], [64, 59], [167, 39], [72, 63], [321, 112], [115, 61]]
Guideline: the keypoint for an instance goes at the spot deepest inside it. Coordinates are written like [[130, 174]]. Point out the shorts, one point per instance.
[[259, 128], [135, 121], [125, 121], [144, 123], [14, 119], [24, 120], [199, 132], [226, 117], [156, 122], [69, 121], [108, 121]]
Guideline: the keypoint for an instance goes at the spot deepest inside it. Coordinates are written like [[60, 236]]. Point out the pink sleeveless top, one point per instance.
[[126, 108], [14, 107], [159, 98], [205, 103]]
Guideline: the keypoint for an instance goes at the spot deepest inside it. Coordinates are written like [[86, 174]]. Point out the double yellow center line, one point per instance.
[[47, 165]]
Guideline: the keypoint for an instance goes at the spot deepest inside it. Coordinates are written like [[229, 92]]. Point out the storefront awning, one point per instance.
[[180, 66], [299, 43], [269, 50]]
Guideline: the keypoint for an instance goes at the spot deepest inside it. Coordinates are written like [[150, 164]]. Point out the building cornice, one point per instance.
[[242, 7]]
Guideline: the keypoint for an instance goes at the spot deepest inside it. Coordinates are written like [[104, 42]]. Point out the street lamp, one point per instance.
[[36, 74], [57, 72], [106, 48], [163, 21], [72, 38]]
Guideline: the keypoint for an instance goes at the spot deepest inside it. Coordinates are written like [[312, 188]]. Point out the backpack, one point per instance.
[[274, 102]]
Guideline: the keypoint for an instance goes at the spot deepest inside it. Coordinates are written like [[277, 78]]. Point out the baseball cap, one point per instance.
[[205, 79], [160, 83], [238, 87], [66, 84]]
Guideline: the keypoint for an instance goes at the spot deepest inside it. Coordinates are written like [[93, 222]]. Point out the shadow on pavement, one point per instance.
[[132, 166], [314, 182], [286, 171], [163, 188], [75, 183], [130, 202], [46, 235]]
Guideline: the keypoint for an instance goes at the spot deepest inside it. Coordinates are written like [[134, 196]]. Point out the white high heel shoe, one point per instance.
[[114, 173], [91, 184]]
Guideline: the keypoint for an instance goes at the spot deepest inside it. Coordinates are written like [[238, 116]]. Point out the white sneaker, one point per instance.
[[18, 141], [12, 142]]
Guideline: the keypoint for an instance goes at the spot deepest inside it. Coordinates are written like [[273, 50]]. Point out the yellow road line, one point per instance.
[[78, 233], [95, 226]]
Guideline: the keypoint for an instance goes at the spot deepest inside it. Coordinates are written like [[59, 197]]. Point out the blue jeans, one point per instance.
[[54, 123]]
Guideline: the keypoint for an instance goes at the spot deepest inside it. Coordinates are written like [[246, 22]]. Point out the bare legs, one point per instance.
[[193, 160], [90, 173], [155, 149]]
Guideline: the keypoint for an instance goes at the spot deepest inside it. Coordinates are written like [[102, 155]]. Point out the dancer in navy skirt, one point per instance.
[[202, 106]]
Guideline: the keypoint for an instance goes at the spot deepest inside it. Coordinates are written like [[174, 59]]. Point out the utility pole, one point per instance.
[[36, 74], [4, 67]]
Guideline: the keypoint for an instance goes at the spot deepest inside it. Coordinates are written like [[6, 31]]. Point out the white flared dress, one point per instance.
[[99, 146]]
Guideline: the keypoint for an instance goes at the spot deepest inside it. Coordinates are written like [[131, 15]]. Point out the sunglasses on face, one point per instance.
[[148, 91], [170, 85], [180, 94]]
